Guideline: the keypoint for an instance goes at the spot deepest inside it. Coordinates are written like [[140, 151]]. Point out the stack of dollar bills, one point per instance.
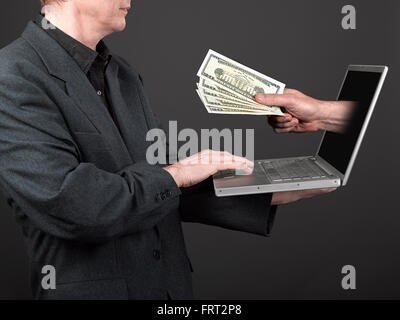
[[228, 87]]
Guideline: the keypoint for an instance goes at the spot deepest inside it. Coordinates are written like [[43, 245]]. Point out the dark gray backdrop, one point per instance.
[[302, 44]]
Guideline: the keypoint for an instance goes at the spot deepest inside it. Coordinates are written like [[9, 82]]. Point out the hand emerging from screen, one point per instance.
[[199, 167], [306, 114]]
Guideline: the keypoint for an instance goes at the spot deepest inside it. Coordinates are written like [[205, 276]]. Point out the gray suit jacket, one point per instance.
[[87, 201]]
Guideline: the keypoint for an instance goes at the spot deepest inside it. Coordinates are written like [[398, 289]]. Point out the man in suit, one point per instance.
[[73, 123]]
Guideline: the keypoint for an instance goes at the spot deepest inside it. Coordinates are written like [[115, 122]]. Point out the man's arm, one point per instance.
[[249, 213], [306, 114], [252, 213], [41, 174]]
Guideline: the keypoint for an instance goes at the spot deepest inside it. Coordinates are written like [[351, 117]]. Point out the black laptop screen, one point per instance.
[[360, 87]]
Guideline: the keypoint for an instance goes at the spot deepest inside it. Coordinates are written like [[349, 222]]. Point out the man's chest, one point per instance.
[[110, 135]]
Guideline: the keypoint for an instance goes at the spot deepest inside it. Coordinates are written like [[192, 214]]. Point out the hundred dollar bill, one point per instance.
[[222, 102], [213, 107], [220, 110], [217, 94], [214, 92], [238, 79], [218, 90]]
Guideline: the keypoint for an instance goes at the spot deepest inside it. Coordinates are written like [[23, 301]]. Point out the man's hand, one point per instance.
[[302, 112], [200, 166], [306, 114], [279, 198]]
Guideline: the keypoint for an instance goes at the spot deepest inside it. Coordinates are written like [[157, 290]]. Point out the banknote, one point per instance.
[[234, 85], [216, 94], [216, 107], [222, 102], [213, 109], [212, 87]]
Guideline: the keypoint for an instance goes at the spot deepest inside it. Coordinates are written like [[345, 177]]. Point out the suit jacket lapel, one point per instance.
[[85, 97], [128, 111], [78, 86]]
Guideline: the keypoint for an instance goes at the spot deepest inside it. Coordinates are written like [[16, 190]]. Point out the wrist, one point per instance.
[[174, 171]]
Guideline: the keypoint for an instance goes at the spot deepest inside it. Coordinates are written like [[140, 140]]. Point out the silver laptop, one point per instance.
[[330, 167]]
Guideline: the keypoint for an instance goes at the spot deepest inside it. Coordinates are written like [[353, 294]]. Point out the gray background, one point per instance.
[[302, 44]]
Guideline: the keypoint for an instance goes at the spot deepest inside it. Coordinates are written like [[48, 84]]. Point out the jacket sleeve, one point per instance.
[[249, 213], [42, 177]]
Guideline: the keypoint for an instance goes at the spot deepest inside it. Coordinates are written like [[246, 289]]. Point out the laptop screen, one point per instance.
[[359, 87]]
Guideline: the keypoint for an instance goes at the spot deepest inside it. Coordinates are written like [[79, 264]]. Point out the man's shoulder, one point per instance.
[[18, 57]]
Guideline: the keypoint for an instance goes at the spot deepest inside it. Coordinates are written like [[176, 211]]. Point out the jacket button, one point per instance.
[[156, 254]]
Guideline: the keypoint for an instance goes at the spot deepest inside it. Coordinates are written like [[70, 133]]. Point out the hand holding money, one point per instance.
[[306, 114], [228, 87]]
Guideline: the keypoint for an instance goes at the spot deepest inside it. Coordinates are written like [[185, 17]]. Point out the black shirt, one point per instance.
[[93, 63]]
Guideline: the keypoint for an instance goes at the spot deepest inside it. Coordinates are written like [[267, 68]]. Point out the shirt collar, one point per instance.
[[83, 55]]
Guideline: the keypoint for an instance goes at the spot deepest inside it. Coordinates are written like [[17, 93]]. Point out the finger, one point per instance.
[[327, 190], [200, 157], [291, 91], [233, 165], [324, 190], [285, 118], [272, 122], [244, 160], [190, 159], [290, 124], [281, 100], [316, 192], [217, 157], [233, 158], [285, 130], [244, 172], [209, 157]]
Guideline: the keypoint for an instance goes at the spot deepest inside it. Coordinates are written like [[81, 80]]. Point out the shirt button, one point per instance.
[[99, 93], [156, 254]]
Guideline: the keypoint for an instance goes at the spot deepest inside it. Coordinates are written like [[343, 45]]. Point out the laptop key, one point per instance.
[[275, 177], [272, 174], [290, 170]]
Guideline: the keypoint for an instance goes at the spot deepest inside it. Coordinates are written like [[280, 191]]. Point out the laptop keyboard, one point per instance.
[[292, 170]]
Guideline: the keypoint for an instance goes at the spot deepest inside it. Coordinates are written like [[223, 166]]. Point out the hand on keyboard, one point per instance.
[[192, 170]]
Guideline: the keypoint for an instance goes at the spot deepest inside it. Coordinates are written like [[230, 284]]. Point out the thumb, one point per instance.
[[279, 100]]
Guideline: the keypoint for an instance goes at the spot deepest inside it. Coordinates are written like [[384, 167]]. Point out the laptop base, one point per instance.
[[227, 183]]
